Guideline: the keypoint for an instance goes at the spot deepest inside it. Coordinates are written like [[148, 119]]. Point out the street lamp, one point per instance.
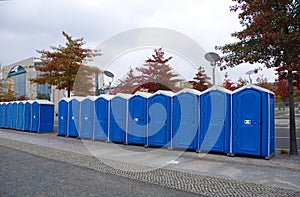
[[250, 72], [212, 58], [111, 75]]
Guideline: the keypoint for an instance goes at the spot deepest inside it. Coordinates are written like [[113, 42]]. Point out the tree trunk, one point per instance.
[[293, 140], [69, 89]]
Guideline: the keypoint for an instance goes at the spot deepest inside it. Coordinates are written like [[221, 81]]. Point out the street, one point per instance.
[[24, 174]]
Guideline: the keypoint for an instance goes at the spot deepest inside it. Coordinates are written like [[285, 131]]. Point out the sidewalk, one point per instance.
[[206, 174]]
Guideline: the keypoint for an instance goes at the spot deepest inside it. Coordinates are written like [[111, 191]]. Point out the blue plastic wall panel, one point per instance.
[[74, 118], [186, 121], [9, 115], [271, 125], [63, 108], [159, 127], [215, 121], [21, 116], [137, 120], [101, 119], [27, 116], [118, 114], [14, 115], [87, 119]]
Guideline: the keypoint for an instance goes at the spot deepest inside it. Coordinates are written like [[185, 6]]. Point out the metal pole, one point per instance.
[[213, 72]]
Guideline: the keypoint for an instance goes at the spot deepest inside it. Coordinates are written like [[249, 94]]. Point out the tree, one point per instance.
[[263, 82], [84, 83], [154, 71], [128, 84], [271, 37], [201, 80], [6, 91], [228, 84], [61, 65], [157, 69]]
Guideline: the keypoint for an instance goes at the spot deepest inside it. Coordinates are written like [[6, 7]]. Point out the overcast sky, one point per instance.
[[28, 25]]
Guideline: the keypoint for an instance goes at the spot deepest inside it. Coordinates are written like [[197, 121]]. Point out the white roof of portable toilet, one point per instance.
[[143, 94], [248, 86], [43, 102], [124, 96], [106, 96], [189, 90], [78, 98], [65, 99], [92, 98], [165, 92], [215, 87]]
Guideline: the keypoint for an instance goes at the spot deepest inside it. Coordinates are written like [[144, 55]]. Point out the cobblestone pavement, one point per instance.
[[186, 180]]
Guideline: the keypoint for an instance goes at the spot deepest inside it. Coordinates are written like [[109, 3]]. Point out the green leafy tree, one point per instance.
[[60, 66], [271, 37]]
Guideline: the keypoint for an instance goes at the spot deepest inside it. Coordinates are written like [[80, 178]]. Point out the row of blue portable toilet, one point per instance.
[[218, 120], [32, 115]]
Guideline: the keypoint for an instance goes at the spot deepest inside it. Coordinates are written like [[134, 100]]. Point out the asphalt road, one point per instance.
[[282, 138], [24, 174]]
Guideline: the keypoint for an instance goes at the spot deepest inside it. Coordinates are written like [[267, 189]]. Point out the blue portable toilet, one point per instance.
[[74, 116], [20, 118], [2, 115], [14, 114], [215, 120], [118, 118], [9, 115], [27, 115], [138, 118], [42, 116], [87, 109], [160, 119], [102, 118], [4, 111], [186, 119], [253, 121], [63, 111]]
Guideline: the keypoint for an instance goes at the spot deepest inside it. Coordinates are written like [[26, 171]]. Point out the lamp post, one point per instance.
[[249, 73], [111, 75], [212, 58]]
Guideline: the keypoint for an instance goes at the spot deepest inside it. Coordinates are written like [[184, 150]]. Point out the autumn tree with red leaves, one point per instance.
[[271, 37], [228, 84], [156, 71], [201, 80], [61, 65]]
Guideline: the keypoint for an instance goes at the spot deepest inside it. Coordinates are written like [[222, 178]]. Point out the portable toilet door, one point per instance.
[[102, 118], [215, 120], [4, 112], [137, 119], [87, 118], [253, 121], [1, 115], [20, 118], [160, 120], [14, 114], [27, 116], [186, 119], [42, 116], [63, 110], [9, 115], [34, 116], [74, 117], [118, 118]]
